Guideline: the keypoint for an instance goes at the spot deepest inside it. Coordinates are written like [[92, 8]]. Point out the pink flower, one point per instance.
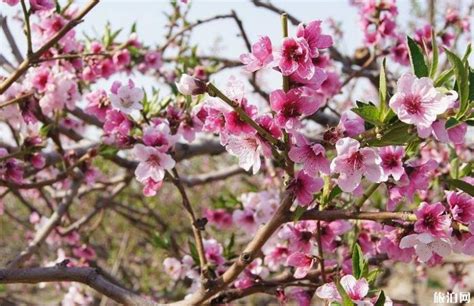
[[312, 156], [159, 136], [84, 252], [10, 169], [213, 251], [245, 219], [301, 296], [400, 52], [312, 34], [122, 58], [248, 149], [418, 178], [355, 289], [392, 163], [234, 124], [300, 236], [190, 86], [98, 104], [331, 232], [261, 55], [455, 134], [352, 124], [42, 5], [276, 257], [425, 244], [461, 206], [212, 114], [302, 262], [290, 106], [315, 82], [40, 78], [389, 244], [305, 186], [117, 125], [331, 86], [151, 187], [431, 219], [418, 102], [153, 59], [126, 98], [219, 217], [295, 58], [173, 268], [152, 163], [352, 162]]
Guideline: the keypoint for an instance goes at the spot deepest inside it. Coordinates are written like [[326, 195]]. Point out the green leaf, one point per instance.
[[359, 264], [133, 28], [462, 75], [159, 241], [194, 253], [46, 129], [107, 151], [346, 300], [418, 64], [334, 193], [370, 113], [434, 61], [466, 170], [447, 74], [471, 84], [372, 276], [451, 122], [397, 135], [381, 299], [464, 186], [228, 253], [382, 92], [454, 172]]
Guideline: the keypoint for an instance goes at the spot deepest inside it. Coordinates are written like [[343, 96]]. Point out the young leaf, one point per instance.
[[359, 264], [381, 299], [464, 186], [454, 172], [418, 64], [194, 253], [346, 300], [398, 135], [382, 92], [434, 62], [466, 170], [372, 276], [159, 241], [334, 193], [369, 113], [451, 122], [471, 84], [462, 75]]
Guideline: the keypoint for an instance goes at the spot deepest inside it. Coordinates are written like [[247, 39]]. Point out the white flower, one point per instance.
[[425, 244], [248, 149], [127, 98], [189, 85]]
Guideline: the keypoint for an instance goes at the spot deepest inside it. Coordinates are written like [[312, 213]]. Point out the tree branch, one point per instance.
[[47, 228], [88, 276], [246, 257]]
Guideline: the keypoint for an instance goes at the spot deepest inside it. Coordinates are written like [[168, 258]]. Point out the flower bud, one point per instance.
[[188, 85]]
